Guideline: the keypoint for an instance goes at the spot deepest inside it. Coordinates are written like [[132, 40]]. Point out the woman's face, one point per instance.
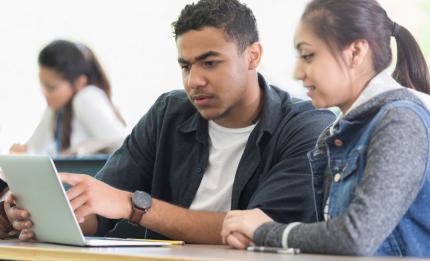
[[58, 91], [326, 77]]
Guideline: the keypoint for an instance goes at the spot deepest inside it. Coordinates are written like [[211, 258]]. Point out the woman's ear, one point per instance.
[[81, 82], [356, 53], [255, 51]]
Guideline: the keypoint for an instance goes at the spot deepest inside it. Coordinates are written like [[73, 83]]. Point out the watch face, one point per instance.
[[141, 200]]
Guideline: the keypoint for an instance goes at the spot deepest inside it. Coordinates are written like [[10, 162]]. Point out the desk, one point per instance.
[[81, 164], [13, 250]]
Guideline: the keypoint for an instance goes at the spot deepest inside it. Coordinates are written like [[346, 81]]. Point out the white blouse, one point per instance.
[[95, 126]]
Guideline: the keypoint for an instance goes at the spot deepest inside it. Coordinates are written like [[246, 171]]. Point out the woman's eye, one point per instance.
[[51, 88], [307, 57]]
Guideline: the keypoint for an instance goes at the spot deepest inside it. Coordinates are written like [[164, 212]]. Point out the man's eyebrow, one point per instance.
[[200, 57], [182, 61]]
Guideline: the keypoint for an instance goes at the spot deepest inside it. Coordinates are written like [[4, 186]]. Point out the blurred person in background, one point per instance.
[[80, 118]]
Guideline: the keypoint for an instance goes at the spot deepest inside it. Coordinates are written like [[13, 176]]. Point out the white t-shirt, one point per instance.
[[95, 126], [226, 149]]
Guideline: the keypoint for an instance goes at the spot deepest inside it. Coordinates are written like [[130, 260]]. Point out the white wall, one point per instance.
[[134, 42]]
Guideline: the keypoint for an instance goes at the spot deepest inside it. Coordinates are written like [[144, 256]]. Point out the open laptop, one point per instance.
[[36, 186]]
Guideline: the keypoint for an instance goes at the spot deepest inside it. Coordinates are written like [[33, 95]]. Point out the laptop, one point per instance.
[[36, 186]]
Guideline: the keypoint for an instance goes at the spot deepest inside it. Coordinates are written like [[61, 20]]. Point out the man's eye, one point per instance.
[[185, 67], [210, 64]]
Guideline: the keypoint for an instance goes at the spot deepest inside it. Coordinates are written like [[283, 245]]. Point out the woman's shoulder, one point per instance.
[[90, 91], [413, 105], [422, 97], [90, 94]]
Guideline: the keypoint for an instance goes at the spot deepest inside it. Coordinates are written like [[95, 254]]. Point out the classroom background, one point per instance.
[[133, 40]]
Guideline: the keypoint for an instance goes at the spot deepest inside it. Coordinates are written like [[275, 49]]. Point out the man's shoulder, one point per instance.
[[294, 105], [173, 101], [175, 96], [170, 107], [301, 112]]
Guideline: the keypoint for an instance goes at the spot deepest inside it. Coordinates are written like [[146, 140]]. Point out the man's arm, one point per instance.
[[89, 196], [130, 168], [191, 226]]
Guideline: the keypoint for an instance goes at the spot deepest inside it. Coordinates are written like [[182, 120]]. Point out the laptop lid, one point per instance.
[[36, 186]]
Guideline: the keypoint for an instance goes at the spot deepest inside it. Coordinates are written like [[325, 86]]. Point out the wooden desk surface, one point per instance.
[[13, 250]]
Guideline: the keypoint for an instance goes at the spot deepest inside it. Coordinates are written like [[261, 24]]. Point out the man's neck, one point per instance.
[[247, 111]]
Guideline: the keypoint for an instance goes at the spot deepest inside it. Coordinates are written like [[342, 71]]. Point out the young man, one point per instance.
[[230, 141]]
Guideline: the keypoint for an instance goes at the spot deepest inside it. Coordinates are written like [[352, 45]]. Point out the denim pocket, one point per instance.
[[347, 173]]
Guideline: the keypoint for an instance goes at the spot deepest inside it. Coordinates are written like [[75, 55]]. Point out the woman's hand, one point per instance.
[[239, 226], [18, 148]]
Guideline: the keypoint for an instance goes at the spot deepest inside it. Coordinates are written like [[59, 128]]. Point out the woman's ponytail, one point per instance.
[[411, 68]]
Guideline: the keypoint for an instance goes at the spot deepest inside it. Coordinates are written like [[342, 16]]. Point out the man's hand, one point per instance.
[[91, 196], [19, 218], [239, 226]]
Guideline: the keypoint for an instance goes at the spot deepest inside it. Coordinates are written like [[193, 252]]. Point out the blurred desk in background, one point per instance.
[[89, 164]]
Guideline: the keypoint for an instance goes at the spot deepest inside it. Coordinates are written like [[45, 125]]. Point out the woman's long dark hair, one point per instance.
[[340, 22], [71, 61]]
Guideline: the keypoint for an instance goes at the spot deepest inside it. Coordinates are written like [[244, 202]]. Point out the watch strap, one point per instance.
[[136, 214]]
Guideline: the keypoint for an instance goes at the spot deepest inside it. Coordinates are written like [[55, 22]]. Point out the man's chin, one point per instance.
[[210, 116]]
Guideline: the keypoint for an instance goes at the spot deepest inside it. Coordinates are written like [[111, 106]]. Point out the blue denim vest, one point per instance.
[[341, 168]]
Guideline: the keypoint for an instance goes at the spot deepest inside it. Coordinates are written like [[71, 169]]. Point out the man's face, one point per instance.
[[214, 72]]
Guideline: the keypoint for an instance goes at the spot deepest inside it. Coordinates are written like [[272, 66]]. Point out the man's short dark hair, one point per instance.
[[233, 17]]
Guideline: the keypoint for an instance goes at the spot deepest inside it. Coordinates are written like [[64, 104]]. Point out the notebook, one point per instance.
[[36, 186]]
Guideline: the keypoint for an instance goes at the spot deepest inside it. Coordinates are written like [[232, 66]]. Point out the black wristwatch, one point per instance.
[[140, 204]]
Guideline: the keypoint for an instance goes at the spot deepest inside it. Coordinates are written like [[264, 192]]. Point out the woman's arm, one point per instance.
[[396, 162], [42, 139], [93, 110]]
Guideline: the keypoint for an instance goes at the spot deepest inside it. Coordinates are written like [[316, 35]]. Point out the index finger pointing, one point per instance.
[[71, 178]]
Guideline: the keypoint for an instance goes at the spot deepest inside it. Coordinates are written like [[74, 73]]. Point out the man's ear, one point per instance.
[[255, 51], [356, 53], [81, 82]]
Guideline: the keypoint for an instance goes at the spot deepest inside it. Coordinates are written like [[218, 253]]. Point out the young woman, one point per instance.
[[80, 118], [371, 166]]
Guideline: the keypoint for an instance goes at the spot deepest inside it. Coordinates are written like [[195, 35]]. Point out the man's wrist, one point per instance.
[[141, 202], [128, 208]]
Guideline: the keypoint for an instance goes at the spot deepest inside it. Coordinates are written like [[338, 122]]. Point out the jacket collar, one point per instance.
[[271, 112], [380, 90], [381, 83]]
